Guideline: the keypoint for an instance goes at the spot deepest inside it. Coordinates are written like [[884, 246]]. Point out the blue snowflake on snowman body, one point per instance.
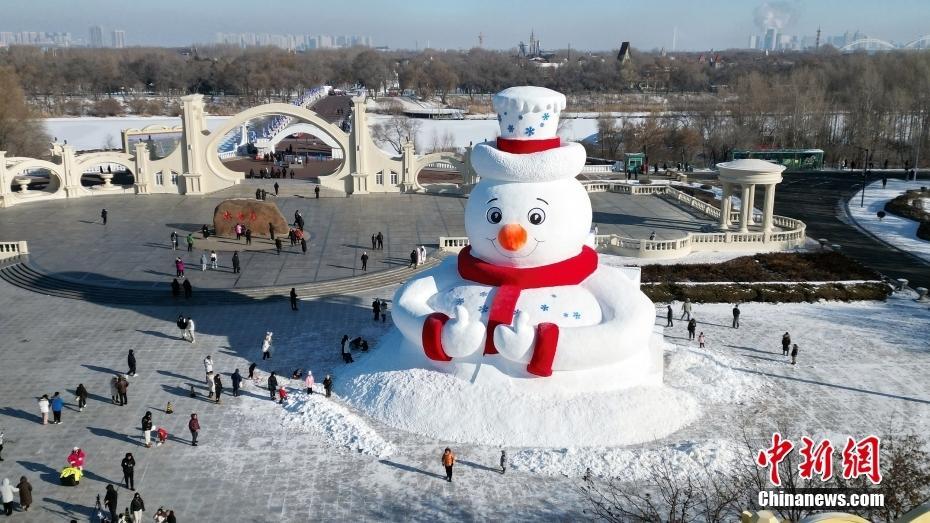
[[544, 307], [459, 301], [499, 118], [576, 315], [483, 293], [483, 309], [510, 129], [545, 116], [529, 131]]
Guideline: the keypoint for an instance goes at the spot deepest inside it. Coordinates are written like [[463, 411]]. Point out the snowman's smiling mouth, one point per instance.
[[510, 254]]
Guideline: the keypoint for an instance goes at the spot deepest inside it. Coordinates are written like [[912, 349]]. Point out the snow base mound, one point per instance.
[[337, 425], [399, 391]]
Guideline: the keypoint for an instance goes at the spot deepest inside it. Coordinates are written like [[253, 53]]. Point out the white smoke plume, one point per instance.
[[778, 14]]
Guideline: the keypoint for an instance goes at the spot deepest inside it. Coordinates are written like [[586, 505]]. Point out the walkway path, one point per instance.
[[900, 233]]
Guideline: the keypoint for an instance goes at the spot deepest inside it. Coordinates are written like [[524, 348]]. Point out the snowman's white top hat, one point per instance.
[[528, 149]]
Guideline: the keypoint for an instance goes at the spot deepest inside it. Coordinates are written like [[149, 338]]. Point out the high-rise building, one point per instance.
[[96, 36], [771, 39], [753, 41], [119, 39]]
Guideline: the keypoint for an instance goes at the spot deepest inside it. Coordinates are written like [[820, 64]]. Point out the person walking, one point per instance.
[[278, 246], [110, 500], [203, 261], [272, 384], [213, 264], [194, 426], [131, 361], [448, 461], [114, 394], [1, 445], [174, 240], [794, 354], [147, 429], [189, 329], [328, 385], [668, 316], [137, 507], [248, 236], [293, 298], [43, 408], [103, 216], [217, 386], [303, 246], [276, 188], [316, 191], [785, 344], [374, 242], [57, 405], [364, 259], [238, 230], [208, 365], [503, 462], [122, 387], [235, 262], [270, 229], [413, 259], [346, 354], [380, 238], [25, 493], [701, 340], [211, 385], [686, 309], [80, 393], [252, 371], [179, 267], [736, 316], [175, 288], [266, 346], [308, 382], [129, 469], [188, 289], [236, 380], [6, 495], [190, 242], [376, 309], [692, 327]]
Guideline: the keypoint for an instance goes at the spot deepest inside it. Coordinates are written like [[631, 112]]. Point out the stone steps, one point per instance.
[[20, 274]]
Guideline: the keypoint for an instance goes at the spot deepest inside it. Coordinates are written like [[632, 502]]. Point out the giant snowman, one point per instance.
[[524, 322]]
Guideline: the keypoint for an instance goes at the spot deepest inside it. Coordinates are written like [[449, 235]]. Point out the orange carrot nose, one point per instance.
[[512, 237]]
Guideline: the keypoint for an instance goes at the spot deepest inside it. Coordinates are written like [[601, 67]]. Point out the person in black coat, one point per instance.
[[736, 316], [137, 507], [376, 308], [129, 467], [293, 299], [794, 354], [175, 288], [188, 289], [668, 316], [236, 380], [81, 394], [328, 385], [785, 344], [252, 370], [131, 361], [217, 386], [272, 384], [110, 500], [235, 259]]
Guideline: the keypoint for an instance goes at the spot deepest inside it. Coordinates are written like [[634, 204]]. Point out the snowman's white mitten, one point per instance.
[[514, 343], [462, 336]]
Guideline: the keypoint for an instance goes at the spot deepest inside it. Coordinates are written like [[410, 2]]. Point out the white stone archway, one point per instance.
[[748, 174]]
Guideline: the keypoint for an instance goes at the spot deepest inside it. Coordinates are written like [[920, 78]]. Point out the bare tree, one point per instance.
[[396, 131], [21, 134]]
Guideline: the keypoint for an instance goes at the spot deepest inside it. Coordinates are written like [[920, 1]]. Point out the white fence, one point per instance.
[[12, 249], [791, 235]]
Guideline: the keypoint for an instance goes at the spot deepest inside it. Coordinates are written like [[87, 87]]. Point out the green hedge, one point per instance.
[[791, 293], [778, 266]]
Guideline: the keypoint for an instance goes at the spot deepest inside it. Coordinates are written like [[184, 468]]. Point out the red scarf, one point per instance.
[[511, 281]]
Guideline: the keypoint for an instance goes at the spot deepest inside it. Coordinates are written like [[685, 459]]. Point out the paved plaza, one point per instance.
[[67, 239]]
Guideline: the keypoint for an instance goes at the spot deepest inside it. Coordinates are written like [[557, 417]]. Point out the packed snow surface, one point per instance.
[[336, 424], [899, 232]]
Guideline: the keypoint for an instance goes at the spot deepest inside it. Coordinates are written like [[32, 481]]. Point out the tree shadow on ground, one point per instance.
[[409, 468]]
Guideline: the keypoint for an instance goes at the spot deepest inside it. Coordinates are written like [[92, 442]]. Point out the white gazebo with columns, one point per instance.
[[748, 174]]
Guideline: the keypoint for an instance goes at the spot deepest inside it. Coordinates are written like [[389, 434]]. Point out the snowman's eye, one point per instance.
[[494, 215], [536, 216]]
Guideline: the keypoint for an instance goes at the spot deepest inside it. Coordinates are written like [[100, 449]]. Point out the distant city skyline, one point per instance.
[[583, 24]]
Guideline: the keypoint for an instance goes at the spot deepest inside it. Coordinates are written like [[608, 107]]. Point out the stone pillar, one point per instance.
[[408, 164], [71, 177], [725, 206], [750, 219], [142, 173], [744, 208], [192, 119], [769, 209]]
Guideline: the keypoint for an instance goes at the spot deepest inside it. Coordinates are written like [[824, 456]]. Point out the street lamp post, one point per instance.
[[864, 165]]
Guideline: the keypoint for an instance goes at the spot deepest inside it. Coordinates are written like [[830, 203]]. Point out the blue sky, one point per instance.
[[585, 24]]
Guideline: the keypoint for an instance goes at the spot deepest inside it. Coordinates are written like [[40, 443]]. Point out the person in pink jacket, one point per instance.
[[76, 458], [308, 381]]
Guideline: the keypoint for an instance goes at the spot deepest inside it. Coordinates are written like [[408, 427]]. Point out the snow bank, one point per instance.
[[897, 231], [337, 425]]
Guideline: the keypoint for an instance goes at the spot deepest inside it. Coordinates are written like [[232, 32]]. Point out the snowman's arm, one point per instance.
[[412, 298], [625, 328]]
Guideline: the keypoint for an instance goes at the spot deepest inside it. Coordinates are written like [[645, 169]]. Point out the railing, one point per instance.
[[13, 249], [225, 155], [587, 169], [792, 235]]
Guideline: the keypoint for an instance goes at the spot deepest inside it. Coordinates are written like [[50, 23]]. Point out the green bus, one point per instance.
[[793, 159]]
